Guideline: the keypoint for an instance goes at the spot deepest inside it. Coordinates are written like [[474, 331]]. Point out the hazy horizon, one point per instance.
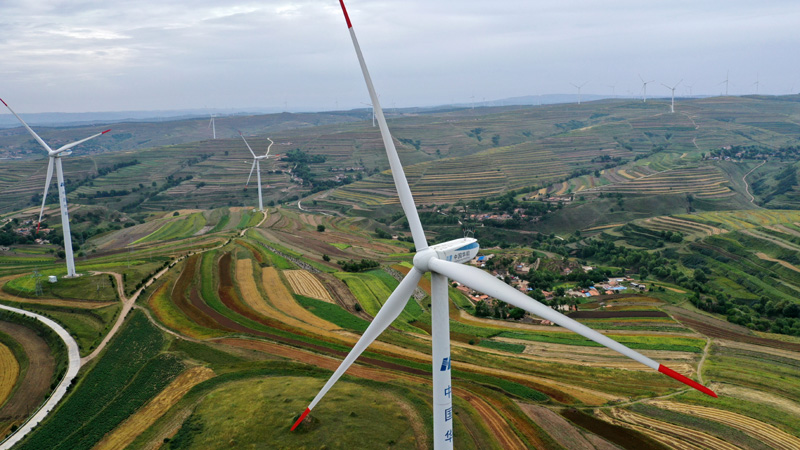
[[173, 55]]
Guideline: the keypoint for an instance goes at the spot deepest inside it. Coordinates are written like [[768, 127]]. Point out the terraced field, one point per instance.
[[701, 182], [304, 283], [233, 335]]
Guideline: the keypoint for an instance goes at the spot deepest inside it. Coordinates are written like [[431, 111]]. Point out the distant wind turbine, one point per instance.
[[756, 83], [373, 111], [644, 88], [55, 159], [613, 90], [257, 168], [212, 126], [672, 88], [725, 82], [446, 261], [579, 90]]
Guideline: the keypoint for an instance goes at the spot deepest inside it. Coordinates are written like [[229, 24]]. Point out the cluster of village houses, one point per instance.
[[611, 286], [29, 228]]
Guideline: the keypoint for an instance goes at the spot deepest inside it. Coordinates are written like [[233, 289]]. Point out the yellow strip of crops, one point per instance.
[[281, 304], [145, 417], [771, 435], [9, 372], [282, 299], [308, 285]]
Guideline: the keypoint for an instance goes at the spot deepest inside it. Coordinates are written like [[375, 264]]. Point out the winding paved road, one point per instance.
[[75, 360], [72, 370]]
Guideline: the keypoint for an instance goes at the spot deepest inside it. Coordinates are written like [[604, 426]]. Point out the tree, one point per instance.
[[326, 258], [321, 228]]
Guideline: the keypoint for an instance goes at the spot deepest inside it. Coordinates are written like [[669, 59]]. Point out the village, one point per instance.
[[562, 298]]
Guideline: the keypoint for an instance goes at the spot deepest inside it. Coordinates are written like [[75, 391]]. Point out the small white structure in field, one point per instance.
[[52, 278]]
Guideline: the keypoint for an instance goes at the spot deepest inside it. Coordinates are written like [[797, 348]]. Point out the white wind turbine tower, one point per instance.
[[725, 82], [672, 88], [257, 168], [579, 90], [55, 159], [373, 111], [445, 261], [756, 83], [213, 126], [644, 88]]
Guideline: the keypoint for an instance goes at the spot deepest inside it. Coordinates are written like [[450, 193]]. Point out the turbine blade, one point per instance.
[[248, 145], [69, 146], [400, 182], [46, 186], [482, 281], [389, 311], [251, 172], [35, 136]]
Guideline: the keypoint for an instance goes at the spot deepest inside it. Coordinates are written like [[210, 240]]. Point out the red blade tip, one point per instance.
[[104, 132], [689, 382], [346, 17], [4, 102], [37, 226], [302, 416]]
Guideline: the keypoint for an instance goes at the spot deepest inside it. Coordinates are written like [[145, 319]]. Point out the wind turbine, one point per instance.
[[756, 83], [373, 111], [257, 168], [445, 261], [55, 159], [672, 106], [213, 126], [579, 90], [644, 88], [725, 82]]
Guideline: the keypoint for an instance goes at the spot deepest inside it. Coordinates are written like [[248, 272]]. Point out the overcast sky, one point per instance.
[[112, 55]]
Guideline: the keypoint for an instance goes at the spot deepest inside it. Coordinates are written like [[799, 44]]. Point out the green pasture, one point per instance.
[[333, 313], [252, 413], [87, 287]]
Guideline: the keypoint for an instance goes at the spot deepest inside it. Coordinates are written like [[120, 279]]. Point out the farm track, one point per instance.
[[747, 186], [124, 434], [765, 257]]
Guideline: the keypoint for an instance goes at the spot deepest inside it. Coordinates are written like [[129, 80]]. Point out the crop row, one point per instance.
[[131, 372]]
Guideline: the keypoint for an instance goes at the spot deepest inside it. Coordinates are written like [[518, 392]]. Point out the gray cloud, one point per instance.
[[90, 55]]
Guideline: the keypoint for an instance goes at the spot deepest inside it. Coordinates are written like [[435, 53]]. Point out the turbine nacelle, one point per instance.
[[458, 251]]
